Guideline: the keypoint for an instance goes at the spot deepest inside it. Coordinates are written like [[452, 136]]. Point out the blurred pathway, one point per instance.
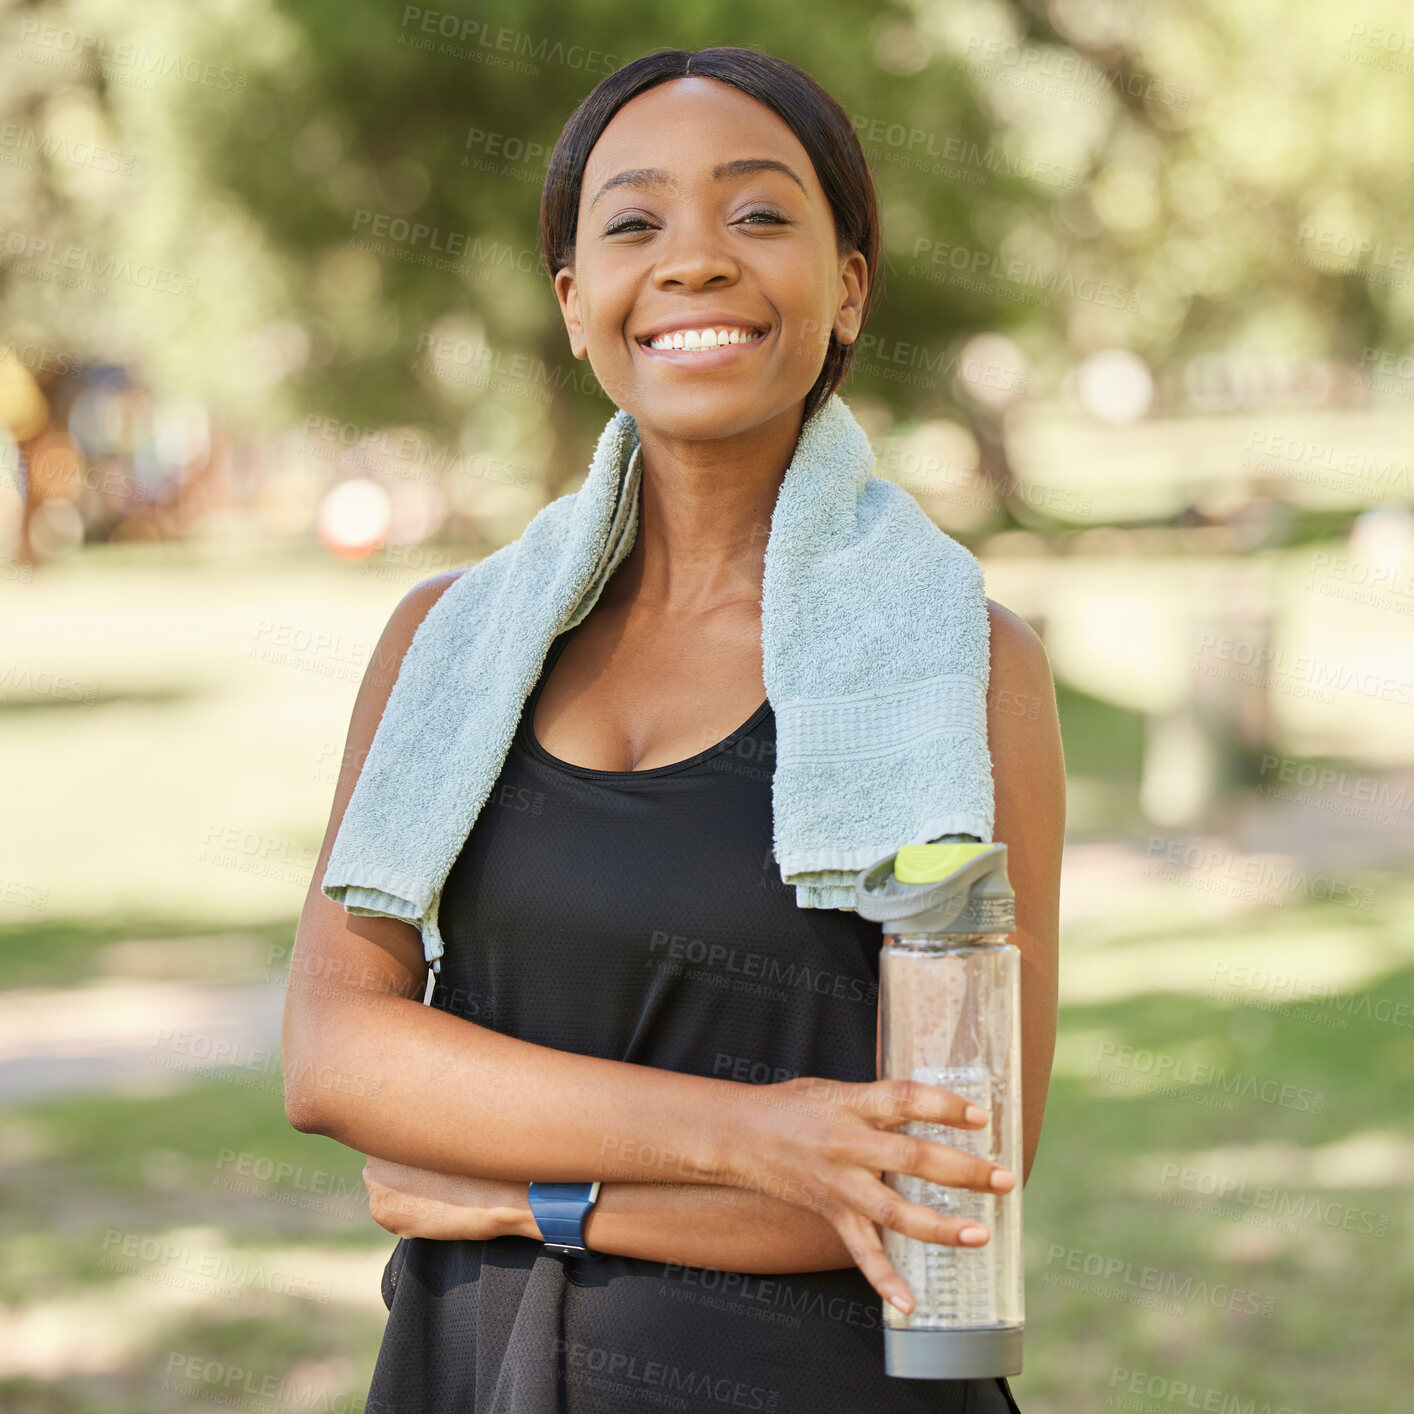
[[138, 1037]]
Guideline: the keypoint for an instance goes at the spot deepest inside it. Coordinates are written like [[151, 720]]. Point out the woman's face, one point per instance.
[[680, 228]]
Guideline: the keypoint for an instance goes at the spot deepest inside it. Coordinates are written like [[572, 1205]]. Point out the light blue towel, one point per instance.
[[876, 653]]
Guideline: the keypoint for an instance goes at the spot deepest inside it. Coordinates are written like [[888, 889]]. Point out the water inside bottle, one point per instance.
[[952, 1286]]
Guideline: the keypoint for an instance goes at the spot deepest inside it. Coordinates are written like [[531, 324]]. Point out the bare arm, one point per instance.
[[726, 1229], [369, 1065], [1028, 774]]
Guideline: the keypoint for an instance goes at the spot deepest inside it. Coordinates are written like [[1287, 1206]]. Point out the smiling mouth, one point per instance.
[[705, 356], [706, 340]]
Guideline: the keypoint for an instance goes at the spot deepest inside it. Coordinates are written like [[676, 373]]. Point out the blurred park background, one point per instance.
[[275, 345]]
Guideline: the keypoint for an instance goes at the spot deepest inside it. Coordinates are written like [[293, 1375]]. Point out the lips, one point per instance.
[[704, 361]]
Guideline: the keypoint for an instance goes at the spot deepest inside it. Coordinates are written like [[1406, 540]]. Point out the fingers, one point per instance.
[[888, 1208], [891, 1102], [938, 1163], [867, 1253]]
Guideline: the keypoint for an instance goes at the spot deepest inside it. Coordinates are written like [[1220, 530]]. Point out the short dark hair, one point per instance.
[[824, 130]]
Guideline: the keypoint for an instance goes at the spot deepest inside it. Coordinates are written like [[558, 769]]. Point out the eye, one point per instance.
[[626, 225], [768, 213]]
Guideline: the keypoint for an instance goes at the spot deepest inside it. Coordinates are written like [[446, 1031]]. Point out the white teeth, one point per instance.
[[703, 339]]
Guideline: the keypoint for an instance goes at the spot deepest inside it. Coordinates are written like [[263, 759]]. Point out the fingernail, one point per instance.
[[974, 1114], [898, 1301], [973, 1236], [1002, 1179]]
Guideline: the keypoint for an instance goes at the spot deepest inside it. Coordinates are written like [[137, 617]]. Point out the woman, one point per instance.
[[723, 190]]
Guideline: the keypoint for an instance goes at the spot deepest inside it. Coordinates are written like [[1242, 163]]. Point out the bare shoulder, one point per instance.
[[417, 603], [387, 950], [382, 673], [403, 624], [1023, 722], [1018, 655]]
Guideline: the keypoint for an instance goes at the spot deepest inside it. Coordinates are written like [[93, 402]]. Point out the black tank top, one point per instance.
[[640, 916]]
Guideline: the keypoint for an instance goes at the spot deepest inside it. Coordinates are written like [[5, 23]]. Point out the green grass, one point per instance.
[[97, 1172], [1095, 1184], [76, 1170], [59, 952]]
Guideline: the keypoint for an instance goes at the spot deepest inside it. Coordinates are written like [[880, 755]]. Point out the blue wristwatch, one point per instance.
[[560, 1211]]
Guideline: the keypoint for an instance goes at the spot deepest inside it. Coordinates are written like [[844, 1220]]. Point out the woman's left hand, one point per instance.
[[413, 1202]]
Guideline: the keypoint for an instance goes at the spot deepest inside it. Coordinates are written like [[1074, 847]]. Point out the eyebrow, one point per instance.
[[643, 177]]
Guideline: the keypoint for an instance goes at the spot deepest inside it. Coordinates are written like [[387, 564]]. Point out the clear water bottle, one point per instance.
[[950, 994]]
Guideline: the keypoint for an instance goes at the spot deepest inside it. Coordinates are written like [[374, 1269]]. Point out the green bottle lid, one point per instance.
[[927, 863], [956, 884]]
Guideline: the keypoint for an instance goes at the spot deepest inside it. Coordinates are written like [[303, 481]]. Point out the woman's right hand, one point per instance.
[[825, 1145]]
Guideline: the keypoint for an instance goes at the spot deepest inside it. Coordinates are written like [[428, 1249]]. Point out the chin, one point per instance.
[[710, 417]]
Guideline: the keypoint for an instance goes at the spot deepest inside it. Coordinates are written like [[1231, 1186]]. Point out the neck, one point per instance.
[[704, 516]]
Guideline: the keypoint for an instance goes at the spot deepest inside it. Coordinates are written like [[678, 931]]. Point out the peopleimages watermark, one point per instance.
[[61, 47], [1381, 47], [410, 564], [333, 759], [18, 894], [19, 571], [236, 1387], [316, 1190], [290, 645], [1206, 1083], [465, 362], [254, 852], [630, 1375], [637, 1157], [957, 481], [919, 366], [39, 358], [952, 156], [1375, 586], [219, 1273], [251, 1067], [1064, 75], [1321, 464], [418, 243], [458, 37], [764, 1298], [505, 155], [1261, 1204], [318, 976], [1126, 1387], [403, 453], [1385, 372], [17, 681], [721, 964], [1214, 869], [747, 1070], [1286, 994], [1300, 675], [22, 145], [1117, 1279], [41, 258], [1013, 278], [1336, 252]]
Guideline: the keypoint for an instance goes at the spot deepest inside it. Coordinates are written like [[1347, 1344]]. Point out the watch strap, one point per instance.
[[561, 1211]]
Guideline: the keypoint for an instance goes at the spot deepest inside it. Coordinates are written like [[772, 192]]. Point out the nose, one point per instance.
[[692, 256]]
